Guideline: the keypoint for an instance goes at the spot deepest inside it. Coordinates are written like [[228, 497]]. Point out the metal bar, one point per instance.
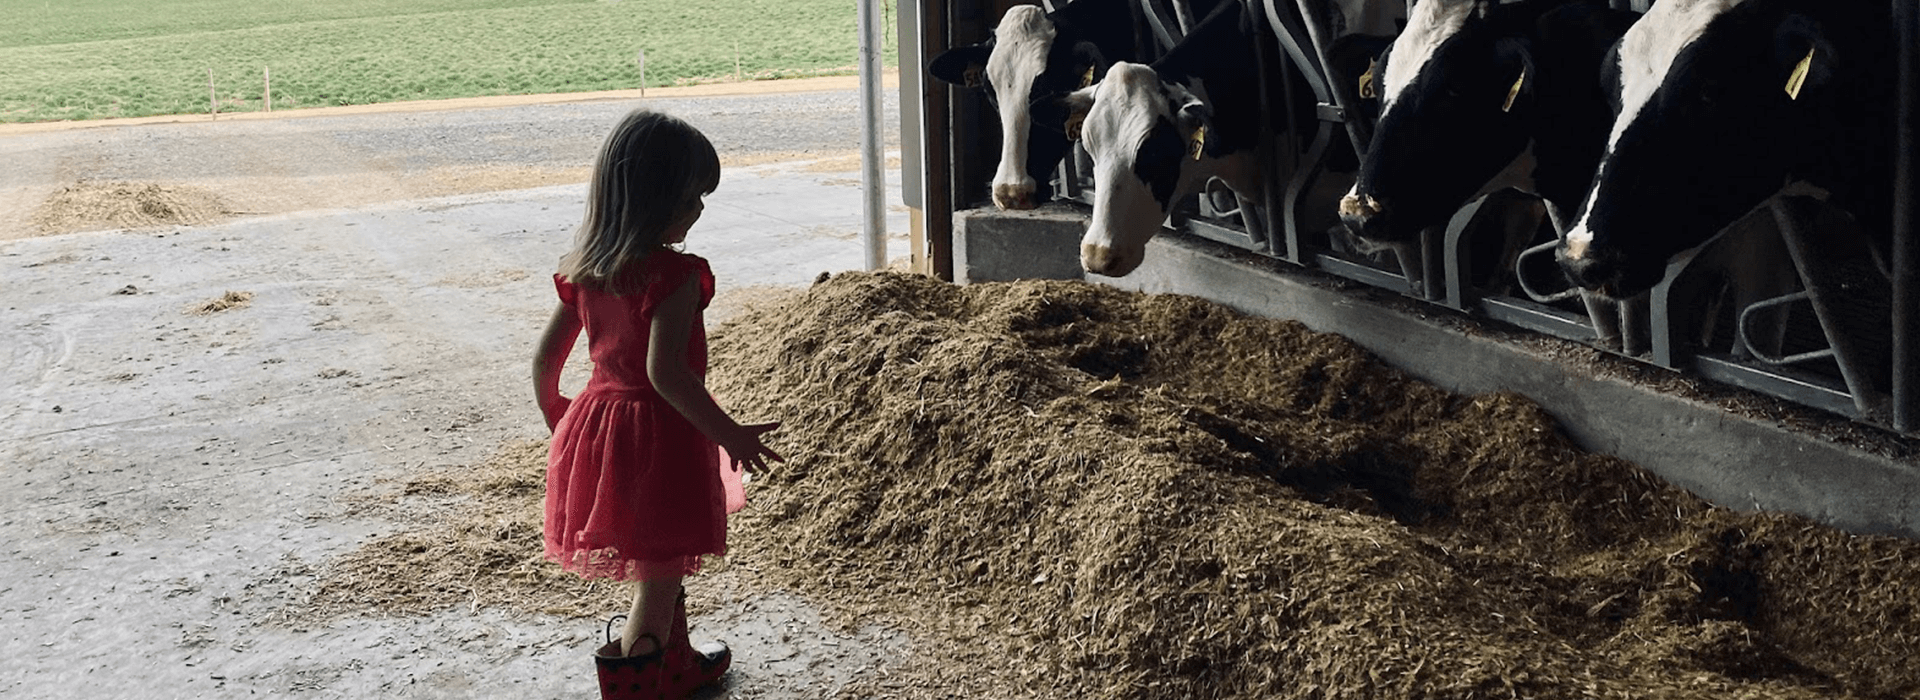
[[1223, 233], [1267, 150], [1167, 37], [1362, 273], [873, 137], [1799, 387], [1906, 223], [1537, 317]]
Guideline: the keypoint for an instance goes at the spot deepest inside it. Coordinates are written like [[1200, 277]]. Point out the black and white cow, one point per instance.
[[1469, 88], [1717, 104], [1159, 132], [1031, 62]]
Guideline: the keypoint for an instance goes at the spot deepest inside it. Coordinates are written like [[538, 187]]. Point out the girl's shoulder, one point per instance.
[[666, 270]]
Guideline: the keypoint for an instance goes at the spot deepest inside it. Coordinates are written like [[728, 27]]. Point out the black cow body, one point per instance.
[[1157, 133], [1705, 128], [1033, 61], [1500, 80]]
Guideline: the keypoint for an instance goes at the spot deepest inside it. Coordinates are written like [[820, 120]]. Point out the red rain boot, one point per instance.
[[631, 677], [689, 667]]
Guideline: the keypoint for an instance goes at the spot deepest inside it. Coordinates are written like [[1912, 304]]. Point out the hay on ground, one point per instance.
[[111, 204], [225, 302]]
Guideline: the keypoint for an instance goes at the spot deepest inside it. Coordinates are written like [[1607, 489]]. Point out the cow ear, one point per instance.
[[1088, 63], [1195, 119], [965, 66], [1514, 61], [1803, 55], [1354, 59], [1079, 103]]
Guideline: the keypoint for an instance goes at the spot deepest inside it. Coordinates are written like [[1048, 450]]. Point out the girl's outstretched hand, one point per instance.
[[745, 449]]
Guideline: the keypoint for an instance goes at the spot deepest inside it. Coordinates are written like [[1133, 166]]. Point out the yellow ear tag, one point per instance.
[[972, 76], [1087, 79], [1074, 119], [1197, 143], [1367, 92], [1798, 78], [1514, 92]]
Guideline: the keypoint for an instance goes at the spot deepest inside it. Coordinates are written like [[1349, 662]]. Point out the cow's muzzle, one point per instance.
[[1109, 261], [1597, 269], [1365, 217], [1014, 195]]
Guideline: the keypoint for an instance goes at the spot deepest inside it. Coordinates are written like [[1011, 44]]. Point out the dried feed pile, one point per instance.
[[1123, 496], [108, 204]]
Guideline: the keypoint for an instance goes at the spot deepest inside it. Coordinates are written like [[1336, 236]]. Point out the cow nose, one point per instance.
[[1106, 260], [1595, 269], [1014, 195], [1364, 215]]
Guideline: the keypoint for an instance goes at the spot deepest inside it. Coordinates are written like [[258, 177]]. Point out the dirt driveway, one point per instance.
[[192, 416]]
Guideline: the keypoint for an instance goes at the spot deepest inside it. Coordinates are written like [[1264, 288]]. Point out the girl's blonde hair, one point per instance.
[[650, 170]]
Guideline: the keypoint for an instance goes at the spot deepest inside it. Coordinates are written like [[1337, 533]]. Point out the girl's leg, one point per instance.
[[652, 615]]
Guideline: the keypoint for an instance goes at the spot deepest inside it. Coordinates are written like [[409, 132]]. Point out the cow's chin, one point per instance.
[[1632, 282], [1111, 261]]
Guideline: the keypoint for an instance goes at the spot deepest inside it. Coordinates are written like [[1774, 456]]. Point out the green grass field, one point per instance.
[[94, 59]]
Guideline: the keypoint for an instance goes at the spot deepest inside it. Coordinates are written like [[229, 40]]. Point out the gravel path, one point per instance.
[[301, 162]]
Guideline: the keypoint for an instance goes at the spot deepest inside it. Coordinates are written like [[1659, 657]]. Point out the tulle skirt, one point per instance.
[[634, 492]]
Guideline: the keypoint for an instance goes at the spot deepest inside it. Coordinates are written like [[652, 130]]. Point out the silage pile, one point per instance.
[[1120, 496]]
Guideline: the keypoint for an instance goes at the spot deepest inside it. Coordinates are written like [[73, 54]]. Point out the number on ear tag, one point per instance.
[[1514, 92], [1086, 80], [972, 77], [1367, 91], [1798, 78], [1197, 144], [1073, 125]]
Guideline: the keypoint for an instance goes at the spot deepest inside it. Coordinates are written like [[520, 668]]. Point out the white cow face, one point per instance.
[[1147, 139], [1022, 42], [1025, 69]]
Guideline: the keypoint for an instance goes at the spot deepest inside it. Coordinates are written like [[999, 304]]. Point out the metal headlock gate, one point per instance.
[[1835, 324]]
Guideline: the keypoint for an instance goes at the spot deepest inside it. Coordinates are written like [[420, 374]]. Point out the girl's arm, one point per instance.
[[555, 344], [667, 368]]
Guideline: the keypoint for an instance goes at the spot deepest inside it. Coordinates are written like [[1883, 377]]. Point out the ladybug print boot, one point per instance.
[[640, 677], [688, 667]]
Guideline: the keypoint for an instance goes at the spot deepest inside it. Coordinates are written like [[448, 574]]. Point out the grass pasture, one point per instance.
[[93, 59]]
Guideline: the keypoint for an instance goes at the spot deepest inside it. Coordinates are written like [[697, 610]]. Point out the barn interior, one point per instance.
[[1801, 397]]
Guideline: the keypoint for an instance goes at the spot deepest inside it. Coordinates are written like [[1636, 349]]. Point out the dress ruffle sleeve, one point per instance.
[[569, 292]]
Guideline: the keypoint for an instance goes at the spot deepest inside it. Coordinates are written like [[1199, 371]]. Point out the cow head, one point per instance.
[[1712, 114], [1455, 90], [1149, 146], [1026, 75]]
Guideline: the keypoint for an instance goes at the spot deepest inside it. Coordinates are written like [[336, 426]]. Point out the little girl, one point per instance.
[[636, 489]]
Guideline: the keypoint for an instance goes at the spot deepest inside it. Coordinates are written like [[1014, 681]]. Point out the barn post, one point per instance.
[[936, 139], [873, 136], [1906, 223]]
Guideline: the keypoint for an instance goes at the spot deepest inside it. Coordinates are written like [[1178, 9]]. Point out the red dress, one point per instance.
[[629, 479]]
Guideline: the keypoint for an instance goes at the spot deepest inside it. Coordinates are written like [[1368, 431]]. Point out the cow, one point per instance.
[[1158, 132], [1470, 87], [1717, 104], [1031, 62], [1477, 96]]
